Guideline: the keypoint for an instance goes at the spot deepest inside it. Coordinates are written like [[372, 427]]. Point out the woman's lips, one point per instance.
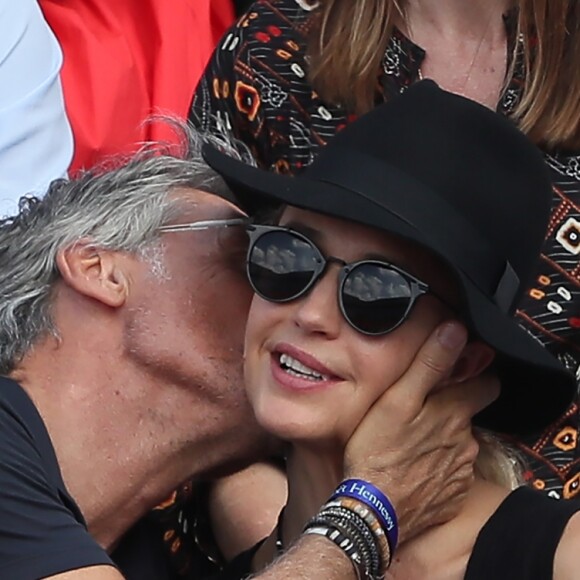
[[298, 370]]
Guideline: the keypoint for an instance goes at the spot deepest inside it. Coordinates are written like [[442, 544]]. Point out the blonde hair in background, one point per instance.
[[496, 462], [349, 37]]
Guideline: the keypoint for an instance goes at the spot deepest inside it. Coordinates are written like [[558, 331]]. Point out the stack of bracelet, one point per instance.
[[361, 521]]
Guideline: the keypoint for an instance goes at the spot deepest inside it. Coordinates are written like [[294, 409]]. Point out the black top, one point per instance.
[[241, 566], [241, 6], [519, 541], [42, 531], [521, 537], [172, 542]]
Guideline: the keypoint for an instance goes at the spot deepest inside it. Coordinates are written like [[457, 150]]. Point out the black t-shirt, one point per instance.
[[42, 531]]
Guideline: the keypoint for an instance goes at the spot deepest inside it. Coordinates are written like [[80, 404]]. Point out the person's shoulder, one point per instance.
[[16, 407], [296, 8], [510, 540], [565, 166], [15, 18], [270, 36], [566, 558], [284, 15], [26, 451], [527, 503], [8, 387], [42, 530]]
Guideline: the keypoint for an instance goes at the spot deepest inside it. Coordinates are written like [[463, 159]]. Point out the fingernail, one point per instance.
[[451, 335]]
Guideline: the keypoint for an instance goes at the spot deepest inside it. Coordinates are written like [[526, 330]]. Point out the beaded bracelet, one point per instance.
[[373, 524], [353, 527], [362, 522], [372, 560], [342, 516], [358, 533], [345, 544]]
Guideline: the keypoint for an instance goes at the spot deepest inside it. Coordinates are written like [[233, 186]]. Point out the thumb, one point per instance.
[[432, 364]]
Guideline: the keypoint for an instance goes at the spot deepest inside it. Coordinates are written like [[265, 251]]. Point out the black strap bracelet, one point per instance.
[[350, 533], [353, 525], [345, 544], [373, 524]]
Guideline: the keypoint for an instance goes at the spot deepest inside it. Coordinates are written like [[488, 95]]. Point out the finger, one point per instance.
[[433, 363]]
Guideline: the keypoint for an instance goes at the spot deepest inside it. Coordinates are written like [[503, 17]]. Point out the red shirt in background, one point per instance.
[[128, 59]]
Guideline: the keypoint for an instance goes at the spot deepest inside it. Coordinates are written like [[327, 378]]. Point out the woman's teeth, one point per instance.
[[297, 369]]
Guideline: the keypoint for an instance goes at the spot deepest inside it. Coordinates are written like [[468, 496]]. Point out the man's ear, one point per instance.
[[94, 272], [474, 359]]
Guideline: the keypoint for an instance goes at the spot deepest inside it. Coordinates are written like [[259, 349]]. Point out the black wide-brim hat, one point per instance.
[[462, 181]]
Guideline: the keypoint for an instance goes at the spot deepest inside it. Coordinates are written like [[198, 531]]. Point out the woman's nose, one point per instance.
[[318, 311]]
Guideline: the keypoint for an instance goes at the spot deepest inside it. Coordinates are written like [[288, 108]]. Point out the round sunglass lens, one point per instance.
[[375, 298], [281, 266]]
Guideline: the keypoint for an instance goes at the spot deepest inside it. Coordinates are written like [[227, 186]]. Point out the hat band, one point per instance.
[[456, 239]]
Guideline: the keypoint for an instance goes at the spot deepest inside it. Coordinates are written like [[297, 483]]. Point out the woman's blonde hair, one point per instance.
[[349, 37], [497, 462]]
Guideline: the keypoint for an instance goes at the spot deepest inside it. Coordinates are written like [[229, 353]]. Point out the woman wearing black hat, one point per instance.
[[291, 73], [349, 286]]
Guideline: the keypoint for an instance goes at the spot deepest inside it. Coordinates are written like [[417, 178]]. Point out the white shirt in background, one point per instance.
[[36, 143]]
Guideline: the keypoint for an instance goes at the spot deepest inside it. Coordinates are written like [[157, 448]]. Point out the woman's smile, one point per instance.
[[295, 369]]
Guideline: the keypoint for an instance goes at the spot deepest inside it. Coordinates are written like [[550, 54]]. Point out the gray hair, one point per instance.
[[119, 205]]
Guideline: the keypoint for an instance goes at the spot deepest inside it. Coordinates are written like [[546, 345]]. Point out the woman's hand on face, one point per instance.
[[416, 442]]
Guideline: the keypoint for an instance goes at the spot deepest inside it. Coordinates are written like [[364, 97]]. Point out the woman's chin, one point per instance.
[[314, 432], [308, 417], [305, 429]]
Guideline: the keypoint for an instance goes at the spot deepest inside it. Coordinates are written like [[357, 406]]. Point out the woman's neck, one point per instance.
[[465, 45], [312, 477], [455, 17]]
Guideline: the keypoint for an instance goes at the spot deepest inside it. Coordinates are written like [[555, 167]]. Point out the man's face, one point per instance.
[[189, 301]]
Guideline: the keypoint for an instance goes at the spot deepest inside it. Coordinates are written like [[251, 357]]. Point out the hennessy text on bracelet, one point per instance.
[[375, 499]]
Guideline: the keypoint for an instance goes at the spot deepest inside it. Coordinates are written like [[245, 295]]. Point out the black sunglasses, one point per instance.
[[375, 297]]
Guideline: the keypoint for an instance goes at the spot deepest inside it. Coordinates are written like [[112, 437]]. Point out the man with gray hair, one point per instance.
[[122, 313]]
